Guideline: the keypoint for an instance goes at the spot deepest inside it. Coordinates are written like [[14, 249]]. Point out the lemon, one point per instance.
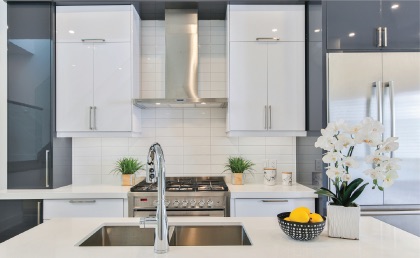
[[315, 217], [303, 208], [299, 215], [287, 219]]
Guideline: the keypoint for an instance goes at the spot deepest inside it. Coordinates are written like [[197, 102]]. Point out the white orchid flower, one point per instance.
[[389, 145], [376, 159], [333, 172], [350, 162], [389, 178], [371, 139], [344, 141], [332, 157], [374, 173], [354, 129], [346, 177]]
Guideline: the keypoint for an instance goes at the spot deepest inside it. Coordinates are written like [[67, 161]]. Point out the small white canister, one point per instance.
[[286, 178], [270, 175]]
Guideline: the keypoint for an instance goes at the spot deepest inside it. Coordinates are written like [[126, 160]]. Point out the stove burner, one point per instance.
[[184, 184]]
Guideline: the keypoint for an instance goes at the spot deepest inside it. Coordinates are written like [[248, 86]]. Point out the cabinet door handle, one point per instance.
[[275, 200], [265, 115], [47, 154], [94, 117], [38, 214], [92, 40], [268, 39], [90, 118], [385, 29], [379, 30], [269, 109], [82, 201]]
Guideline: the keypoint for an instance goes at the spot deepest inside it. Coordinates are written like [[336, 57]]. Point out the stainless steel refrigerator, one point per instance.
[[384, 86]]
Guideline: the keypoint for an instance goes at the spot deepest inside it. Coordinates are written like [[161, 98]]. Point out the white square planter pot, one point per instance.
[[343, 222]]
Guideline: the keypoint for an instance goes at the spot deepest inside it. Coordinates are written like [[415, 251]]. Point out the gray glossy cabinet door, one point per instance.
[[402, 21], [17, 216], [352, 24]]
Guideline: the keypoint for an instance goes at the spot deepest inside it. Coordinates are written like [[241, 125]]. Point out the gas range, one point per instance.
[[185, 196], [185, 184]]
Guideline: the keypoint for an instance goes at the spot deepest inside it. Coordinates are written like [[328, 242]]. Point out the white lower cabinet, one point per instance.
[[83, 208], [268, 207]]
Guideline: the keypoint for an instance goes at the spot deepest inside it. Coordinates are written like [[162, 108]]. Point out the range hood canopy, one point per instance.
[[181, 63]]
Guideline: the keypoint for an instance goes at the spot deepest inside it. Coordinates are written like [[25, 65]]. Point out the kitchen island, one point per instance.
[[59, 238]]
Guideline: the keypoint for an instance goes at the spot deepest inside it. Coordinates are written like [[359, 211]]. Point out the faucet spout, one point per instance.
[[156, 172]]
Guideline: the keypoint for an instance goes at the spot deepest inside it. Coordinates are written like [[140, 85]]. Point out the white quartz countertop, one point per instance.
[[275, 191], [70, 191], [58, 238], [110, 191]]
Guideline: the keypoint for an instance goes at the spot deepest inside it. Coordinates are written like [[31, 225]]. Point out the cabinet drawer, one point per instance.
[[249, 22], [269, 207], [83, 208], [108, 23]]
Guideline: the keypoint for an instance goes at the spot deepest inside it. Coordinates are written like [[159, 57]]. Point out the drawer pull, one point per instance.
[[275, 200], [82, 201], [267, 39]]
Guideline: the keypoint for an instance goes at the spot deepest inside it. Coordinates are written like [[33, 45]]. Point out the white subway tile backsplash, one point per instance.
[[194, 140], [196, 123], [197, 150]]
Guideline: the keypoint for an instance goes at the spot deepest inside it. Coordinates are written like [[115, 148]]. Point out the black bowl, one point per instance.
[[300, 231]]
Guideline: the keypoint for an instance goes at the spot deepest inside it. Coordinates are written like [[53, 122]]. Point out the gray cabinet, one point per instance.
[[17, 216], [373, 25], [35, 157]]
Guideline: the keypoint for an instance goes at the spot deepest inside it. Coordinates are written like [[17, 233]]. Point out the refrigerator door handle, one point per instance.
[[265, 115], [390, 85], [379, 95]]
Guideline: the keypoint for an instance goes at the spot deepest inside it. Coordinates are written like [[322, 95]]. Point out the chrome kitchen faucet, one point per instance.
[[156, 172]]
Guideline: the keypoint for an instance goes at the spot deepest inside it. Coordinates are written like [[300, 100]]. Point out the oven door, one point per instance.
[[178, 212]]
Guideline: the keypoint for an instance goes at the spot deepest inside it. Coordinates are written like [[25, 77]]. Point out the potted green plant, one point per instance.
[[238, 165], [127, 167]]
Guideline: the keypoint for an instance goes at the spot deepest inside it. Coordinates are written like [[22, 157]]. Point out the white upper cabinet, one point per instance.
[[266, 64], [98, 77], [252, 22], [102, 23]]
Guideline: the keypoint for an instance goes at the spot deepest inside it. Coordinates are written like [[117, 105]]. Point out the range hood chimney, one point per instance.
[[181, 64]]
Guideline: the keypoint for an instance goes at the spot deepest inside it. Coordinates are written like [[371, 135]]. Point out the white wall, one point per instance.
[[193, 140], [3, 95]]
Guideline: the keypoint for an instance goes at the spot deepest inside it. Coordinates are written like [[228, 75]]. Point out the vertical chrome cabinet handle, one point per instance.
[[269, 117], [379, 93], [385, 29], [90, 118], [94, 117], [379, 30], [38, 214], [392, 107], [47, 153], [265, 119]]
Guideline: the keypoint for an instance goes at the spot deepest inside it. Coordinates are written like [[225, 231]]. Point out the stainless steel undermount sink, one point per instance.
[[209, 236], [121, 236], [188, 235]]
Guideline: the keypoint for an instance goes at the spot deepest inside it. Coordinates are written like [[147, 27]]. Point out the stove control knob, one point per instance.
[[155, 203], [201, 204], [210, 203], [184, 204], [167, 203], [192, 203], [176, 203]]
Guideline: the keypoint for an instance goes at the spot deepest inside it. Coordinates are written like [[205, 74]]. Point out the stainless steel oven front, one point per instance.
[[214, 203]]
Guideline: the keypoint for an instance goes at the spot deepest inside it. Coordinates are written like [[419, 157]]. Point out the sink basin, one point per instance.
[[209, 236], [189, 235], [121, 236]]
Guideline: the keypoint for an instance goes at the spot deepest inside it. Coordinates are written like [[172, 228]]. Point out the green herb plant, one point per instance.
[[128, 166], [239, 165]]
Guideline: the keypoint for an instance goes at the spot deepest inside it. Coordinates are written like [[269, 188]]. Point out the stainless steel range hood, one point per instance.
[[181, 63]]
